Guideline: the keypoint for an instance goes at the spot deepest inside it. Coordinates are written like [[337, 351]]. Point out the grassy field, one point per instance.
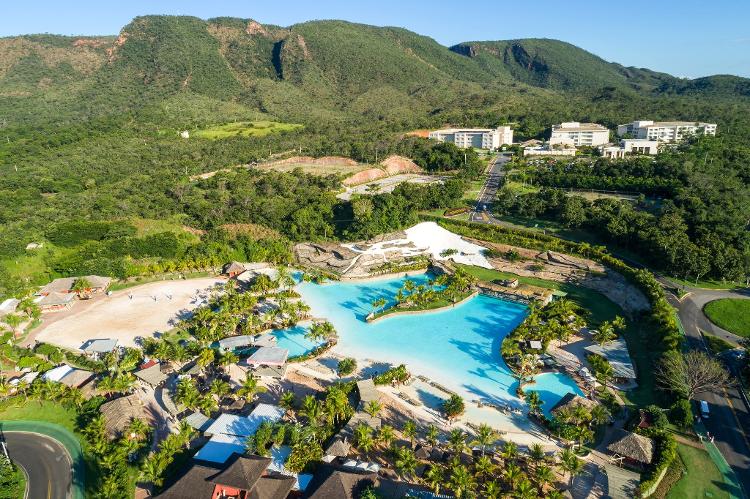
[[717, 345], [245, 129], [702, 478], [732, 314], [708, 284]]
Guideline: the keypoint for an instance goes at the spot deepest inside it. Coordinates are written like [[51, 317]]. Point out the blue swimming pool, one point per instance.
[[293, 339], [458, 347]]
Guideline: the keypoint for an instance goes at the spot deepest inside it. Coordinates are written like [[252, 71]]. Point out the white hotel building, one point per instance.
[[577, 134], [665, 131], [480, 138]]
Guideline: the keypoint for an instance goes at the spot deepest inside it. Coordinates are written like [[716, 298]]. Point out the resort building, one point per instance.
[[68, 376], [267, 362], [479, 138], [665, 131], [242, 477], [9, 306], [55, 301], [338, 482], [120, 412], [630, 146], [229, 432], [97, 284], [631, 448], [151, 374], [573, 133], [549, 150], [616, 353], [98, 347]]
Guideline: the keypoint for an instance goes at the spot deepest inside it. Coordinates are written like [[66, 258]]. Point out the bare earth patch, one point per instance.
[[139, 311]]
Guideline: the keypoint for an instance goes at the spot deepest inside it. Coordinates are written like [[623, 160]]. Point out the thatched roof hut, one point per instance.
[[631, 446], [570, 401], [119, 412]]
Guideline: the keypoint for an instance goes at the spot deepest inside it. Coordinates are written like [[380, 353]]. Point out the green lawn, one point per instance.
[[717, 345], [245, 129], [708, 284], [702, 478], [732, 314]]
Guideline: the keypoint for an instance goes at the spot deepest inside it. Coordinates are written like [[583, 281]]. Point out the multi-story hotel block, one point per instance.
[[480, 138], [579, 134], [665, 131]]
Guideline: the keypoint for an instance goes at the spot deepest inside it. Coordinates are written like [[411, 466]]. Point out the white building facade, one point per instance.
[[665, 131], [579, 134], [630, 146], [480, 138]]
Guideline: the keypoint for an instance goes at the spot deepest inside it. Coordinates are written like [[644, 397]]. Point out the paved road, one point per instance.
[[495, 174], [729, 420], [45, 461]]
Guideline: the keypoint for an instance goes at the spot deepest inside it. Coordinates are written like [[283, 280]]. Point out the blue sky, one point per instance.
[[683, 37]]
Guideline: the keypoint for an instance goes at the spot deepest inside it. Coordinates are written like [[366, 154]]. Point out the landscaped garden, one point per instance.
[[732, 314], [701, 479]]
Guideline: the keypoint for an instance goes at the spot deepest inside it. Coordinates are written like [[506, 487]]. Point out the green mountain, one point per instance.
[[184, 69], [557, 65]]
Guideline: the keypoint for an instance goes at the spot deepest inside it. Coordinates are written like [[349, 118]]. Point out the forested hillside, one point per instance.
[[89, 126]]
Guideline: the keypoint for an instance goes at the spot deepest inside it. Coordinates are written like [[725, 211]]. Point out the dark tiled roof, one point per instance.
[[193, 483], [272, 487], [242, 472], [330, 483]]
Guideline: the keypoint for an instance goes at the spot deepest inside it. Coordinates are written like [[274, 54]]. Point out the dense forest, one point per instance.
[[697, 226], [89, 134]]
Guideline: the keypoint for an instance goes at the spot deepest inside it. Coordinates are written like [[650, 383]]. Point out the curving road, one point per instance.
[[729, 420], [45, 461]]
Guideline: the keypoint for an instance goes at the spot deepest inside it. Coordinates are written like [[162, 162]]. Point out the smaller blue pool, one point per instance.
[[293, 339]]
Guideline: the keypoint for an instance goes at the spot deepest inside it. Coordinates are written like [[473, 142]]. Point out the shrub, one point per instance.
[[681, 413], [665, 452], [398, 374], [658, 417], [346, 366]]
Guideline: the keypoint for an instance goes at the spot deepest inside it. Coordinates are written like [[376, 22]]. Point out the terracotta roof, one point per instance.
[[243, 471], [633, 446]]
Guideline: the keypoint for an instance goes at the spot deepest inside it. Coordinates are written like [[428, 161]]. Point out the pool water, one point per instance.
[[458, 347], [293, 339]]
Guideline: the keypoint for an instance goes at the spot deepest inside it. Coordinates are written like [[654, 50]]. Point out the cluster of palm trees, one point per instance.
[[491, 471], [154, 467], [207, 400], [113, 454], [25, 310], [321, 331], [576, 424], [445, 286], [43, 390]]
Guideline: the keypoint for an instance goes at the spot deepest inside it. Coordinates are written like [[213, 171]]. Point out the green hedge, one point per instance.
[[665, 452]]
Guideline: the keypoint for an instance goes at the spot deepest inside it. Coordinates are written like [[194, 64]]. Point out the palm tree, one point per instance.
[[250, 388], [483, 467], [406, 462], [220, 388], [510, 451], [512, 474], [288, 400], [378, 304], [363, 438], [543, 476], [461, 481], [485, 436], [152, 469], [13, 320], [492, 490], [137, 429], [320, 331], [373, 407], [524, 489], [536, 454], [434, 478], [605, 333], [599, 414], [311, 409], [453, 407], [570, 464], [410, 431], [432, 435], [205, 357], [534, 401], [457, 441], [386, 435], [80, 286]]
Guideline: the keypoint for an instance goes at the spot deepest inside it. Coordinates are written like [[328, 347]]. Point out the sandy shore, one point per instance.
[[138, 311]]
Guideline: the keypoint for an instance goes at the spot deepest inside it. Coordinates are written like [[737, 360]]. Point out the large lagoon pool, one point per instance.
[[458, 347]]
